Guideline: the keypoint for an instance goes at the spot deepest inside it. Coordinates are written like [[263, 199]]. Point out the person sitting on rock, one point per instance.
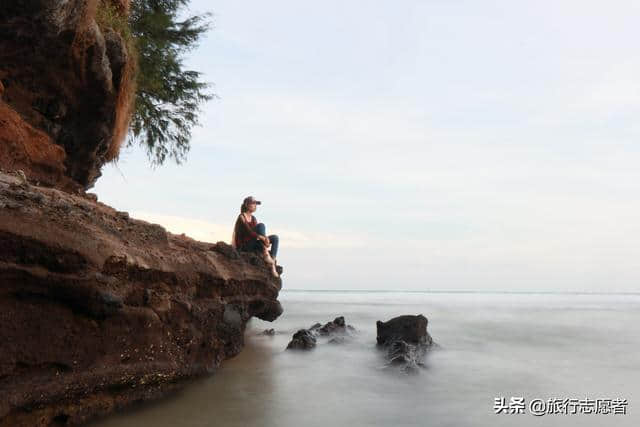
[[251, 236]]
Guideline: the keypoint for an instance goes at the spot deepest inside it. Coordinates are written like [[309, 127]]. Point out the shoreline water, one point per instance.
[[535, 346]]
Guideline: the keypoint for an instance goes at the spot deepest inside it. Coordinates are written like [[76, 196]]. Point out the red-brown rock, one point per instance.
[[23, 147], [65, 77], [99, 310]]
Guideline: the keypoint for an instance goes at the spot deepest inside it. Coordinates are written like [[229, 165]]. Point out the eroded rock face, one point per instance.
[[98, 310], [70, 84], [23, 147], [405, 340]]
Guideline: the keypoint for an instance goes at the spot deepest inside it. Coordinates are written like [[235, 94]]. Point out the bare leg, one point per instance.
[[261, 229]]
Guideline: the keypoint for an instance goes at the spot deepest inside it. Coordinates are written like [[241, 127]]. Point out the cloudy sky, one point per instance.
[[427, 144]]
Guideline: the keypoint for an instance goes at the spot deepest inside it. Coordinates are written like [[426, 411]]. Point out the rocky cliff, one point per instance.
[[97, 310], [66, 89]]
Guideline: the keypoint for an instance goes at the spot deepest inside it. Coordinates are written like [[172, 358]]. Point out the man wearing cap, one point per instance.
[[249, 235]]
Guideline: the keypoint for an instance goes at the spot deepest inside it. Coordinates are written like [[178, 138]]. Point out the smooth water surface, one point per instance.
[[521, 345]]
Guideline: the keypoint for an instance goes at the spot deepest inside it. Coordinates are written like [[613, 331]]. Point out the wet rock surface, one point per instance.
[[337, 332], [302, 340], [99, 310], [405, 341]]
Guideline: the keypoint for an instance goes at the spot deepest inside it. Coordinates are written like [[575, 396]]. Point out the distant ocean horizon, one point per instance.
[[464, 291]]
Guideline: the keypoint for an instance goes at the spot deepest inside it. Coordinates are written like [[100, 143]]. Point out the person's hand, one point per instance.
[[265, 240]]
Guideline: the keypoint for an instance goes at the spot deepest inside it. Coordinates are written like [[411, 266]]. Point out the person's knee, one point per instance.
[[273, 240], [261, 229]]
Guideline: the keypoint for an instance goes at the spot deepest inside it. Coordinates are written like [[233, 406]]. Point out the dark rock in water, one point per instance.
[[302, 340], [315, 326], [269, 332], [406, 341], [412, 329], [337, 330], [336, 326]]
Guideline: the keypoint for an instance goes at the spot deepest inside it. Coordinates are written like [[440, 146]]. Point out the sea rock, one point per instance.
[[337, 326], [302, 340], [93, 317], [405, 341], [337, 331], [316, 325], [409, 328]]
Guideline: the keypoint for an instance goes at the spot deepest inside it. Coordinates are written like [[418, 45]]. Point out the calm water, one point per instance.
[[534, 346]]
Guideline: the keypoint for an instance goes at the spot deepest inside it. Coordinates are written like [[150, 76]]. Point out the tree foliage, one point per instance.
[[168, 97]]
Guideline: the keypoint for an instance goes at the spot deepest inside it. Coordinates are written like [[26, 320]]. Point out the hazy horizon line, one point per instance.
[[463, 291]]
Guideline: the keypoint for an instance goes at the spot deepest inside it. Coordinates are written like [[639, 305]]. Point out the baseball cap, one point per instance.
[[251, 199]]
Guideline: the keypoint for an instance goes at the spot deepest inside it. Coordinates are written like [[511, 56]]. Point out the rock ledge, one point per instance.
[[99, 310]]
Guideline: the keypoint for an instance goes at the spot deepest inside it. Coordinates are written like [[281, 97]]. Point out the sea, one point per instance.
[[502, 359]]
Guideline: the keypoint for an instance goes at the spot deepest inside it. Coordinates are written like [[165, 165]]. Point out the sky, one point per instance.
[[414, 145]]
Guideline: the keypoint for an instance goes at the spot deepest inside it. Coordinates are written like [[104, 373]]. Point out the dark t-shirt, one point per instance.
[[245, 231]]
